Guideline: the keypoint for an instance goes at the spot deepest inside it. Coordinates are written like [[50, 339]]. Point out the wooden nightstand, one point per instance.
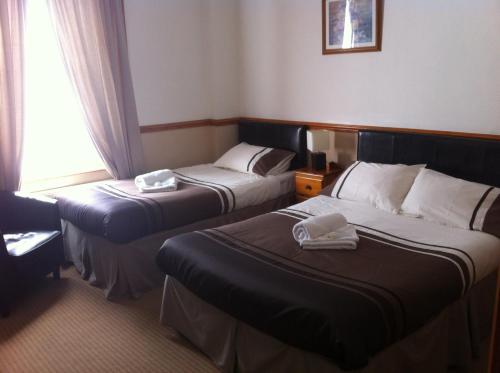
[[309, 182]]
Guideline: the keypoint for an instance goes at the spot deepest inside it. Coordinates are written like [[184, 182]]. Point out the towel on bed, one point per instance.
[[344, 238], [156, 181], [330, 231]]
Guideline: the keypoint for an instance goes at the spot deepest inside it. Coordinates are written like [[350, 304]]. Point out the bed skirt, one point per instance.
[[130, 270], [450, 340]]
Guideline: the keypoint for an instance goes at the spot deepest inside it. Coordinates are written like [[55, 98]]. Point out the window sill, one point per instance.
[[47, 185]]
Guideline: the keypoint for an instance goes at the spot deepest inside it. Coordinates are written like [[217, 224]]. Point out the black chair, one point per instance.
[[30, 243]]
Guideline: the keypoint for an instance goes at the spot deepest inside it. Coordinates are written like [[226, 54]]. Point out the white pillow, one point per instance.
[[256, 159], [381, 185], [447, 200]]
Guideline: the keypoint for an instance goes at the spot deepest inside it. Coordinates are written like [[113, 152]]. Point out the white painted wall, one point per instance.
[[439, 67], [224, 57], [184, 58], [167, 51]]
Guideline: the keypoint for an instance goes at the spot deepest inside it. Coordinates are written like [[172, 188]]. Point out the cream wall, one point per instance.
[[187, 146], [439, 66], [225, 137], [178, 148]]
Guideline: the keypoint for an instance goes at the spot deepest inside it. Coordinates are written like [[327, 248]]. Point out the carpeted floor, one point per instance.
[[68, 326]]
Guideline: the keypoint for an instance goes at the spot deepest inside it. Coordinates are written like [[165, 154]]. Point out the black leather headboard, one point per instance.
[[466, 158], [283, 136]]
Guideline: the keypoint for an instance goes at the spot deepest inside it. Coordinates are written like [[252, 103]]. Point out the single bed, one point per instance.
[[112, 231], [415, 296]]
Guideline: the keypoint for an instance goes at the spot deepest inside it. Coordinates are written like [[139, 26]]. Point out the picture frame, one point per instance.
[[351, 26]]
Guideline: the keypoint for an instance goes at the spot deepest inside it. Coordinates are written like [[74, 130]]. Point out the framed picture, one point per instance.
[[352, 26]]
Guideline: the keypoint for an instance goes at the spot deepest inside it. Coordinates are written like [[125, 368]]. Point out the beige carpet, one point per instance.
[[68, 326]]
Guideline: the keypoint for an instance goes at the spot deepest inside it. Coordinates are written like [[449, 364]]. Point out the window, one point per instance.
[[56, 141]]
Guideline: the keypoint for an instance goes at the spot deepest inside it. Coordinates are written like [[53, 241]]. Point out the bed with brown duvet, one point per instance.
[[112, 231], [414, 297]]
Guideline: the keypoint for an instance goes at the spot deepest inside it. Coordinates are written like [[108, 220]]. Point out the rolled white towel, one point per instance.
[[317, 226], [344, 238]]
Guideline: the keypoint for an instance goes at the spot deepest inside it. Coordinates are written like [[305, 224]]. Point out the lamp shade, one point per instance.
[[318, 140]]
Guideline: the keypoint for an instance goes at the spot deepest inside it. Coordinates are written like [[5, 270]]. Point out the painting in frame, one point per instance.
[[352, 26]]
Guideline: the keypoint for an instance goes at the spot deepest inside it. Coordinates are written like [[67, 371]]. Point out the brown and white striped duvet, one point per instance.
[[119, 212], [346, 305]]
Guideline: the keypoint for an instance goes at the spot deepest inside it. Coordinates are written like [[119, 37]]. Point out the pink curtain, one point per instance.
[[11, 92], [93, 42]]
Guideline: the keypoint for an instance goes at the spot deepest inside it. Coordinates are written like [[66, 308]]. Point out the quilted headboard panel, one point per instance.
[[467, 158], [283, 136]]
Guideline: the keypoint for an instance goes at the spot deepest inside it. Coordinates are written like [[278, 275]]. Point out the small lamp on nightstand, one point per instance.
[[317, 141]]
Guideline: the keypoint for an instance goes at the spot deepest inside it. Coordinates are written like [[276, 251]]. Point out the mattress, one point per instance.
[[344, 305], [120, 213]]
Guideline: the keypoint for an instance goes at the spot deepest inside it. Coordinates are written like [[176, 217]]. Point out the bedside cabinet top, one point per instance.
[[309, 172]]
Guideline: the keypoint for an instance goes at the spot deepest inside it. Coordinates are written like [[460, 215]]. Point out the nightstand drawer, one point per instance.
[[309, 183], [308, 187]]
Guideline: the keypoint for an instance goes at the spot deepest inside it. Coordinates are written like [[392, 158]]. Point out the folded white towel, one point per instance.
[[157, 181], [344, 238], [151, 178], [317, 226]]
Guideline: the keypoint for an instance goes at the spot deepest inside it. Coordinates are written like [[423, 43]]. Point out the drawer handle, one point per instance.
[[308, 187]]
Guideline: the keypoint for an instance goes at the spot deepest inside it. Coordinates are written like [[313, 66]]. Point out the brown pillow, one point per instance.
[[274, 162], [491, 222]]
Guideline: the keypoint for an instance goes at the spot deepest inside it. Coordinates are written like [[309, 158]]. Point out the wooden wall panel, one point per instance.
[[313, 125]]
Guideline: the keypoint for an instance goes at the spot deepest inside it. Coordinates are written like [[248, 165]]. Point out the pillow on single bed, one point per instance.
[[454, 202], [381, 185], [256, 160]]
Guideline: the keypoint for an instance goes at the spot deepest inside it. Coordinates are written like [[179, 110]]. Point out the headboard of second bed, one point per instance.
[[272, 135], [471, 159]]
